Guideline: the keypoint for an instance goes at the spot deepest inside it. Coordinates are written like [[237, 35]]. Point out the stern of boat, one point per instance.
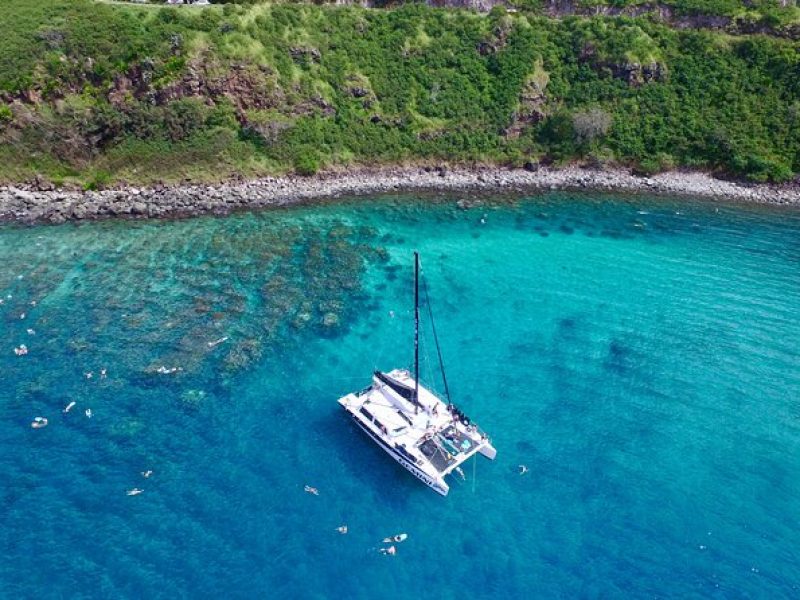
[[488, 450], [440, 487]]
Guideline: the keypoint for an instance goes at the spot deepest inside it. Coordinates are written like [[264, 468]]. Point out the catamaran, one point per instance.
[[431, 438]]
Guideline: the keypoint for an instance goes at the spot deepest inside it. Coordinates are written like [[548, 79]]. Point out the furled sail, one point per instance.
[[403, 390]]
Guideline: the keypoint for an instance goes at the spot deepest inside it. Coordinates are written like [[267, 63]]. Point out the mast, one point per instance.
[[416, 331]]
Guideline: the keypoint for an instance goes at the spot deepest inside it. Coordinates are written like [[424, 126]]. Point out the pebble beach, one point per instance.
[[31, 204]]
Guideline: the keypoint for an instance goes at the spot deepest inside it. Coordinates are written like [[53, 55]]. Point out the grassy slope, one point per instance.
[[317, 86]]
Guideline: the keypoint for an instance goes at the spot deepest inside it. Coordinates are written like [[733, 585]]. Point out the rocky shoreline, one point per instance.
[[27, 204]]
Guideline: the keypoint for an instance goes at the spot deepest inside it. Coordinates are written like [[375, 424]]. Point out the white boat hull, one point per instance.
[[438, 486], [489, 451], [429, 438]]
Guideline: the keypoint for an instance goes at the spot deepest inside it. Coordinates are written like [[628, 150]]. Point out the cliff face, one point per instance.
[[479, 5], [669, 14], [746, 24]]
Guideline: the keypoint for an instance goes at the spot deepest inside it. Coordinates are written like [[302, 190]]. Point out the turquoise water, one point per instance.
[[641, 356]]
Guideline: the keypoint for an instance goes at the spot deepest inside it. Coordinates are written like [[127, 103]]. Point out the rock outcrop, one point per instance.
[[532, 106]]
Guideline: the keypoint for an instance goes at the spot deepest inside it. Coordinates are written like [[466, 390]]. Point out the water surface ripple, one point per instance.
[[639, 355]]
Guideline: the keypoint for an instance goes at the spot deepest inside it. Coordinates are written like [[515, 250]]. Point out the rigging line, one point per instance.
[[474, 463], [426, 363], [391, 329], [416, 331], [436, 339], [377, 361]]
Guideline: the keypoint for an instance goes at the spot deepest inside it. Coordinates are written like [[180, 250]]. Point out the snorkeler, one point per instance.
[[39, 422], [217, 342], [311, 490]]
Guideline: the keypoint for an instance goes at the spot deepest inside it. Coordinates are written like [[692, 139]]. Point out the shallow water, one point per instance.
[[639, 355]]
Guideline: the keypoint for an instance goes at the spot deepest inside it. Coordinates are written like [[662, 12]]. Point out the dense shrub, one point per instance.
[[306, 162]]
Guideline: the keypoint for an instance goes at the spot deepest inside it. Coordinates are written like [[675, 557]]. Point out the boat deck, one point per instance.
[[436, 455], [430, 435]]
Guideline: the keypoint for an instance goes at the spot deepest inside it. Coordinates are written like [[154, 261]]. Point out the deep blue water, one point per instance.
[[641, 356]]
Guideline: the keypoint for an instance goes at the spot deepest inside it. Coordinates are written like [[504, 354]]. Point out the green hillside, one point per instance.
[[97, 93]]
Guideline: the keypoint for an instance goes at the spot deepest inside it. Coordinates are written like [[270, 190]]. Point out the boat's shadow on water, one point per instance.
[[365, 463]]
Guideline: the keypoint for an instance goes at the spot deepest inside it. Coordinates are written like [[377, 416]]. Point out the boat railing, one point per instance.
[[372, 419], [407, 455]]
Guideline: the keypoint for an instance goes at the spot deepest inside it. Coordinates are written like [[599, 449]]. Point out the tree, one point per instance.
[[590, 124]]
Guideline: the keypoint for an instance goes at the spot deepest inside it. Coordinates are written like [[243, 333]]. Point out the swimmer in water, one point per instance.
[[400, 537], [522, 469], [134, 492], [311, 490], [217, 342], [88, 375], [103, 373], [39, 422], [391, 550], [69, 407], [88, 413], [146, 474], [342, 529]]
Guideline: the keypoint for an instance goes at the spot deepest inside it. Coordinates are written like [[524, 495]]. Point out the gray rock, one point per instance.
[[24, 195]]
